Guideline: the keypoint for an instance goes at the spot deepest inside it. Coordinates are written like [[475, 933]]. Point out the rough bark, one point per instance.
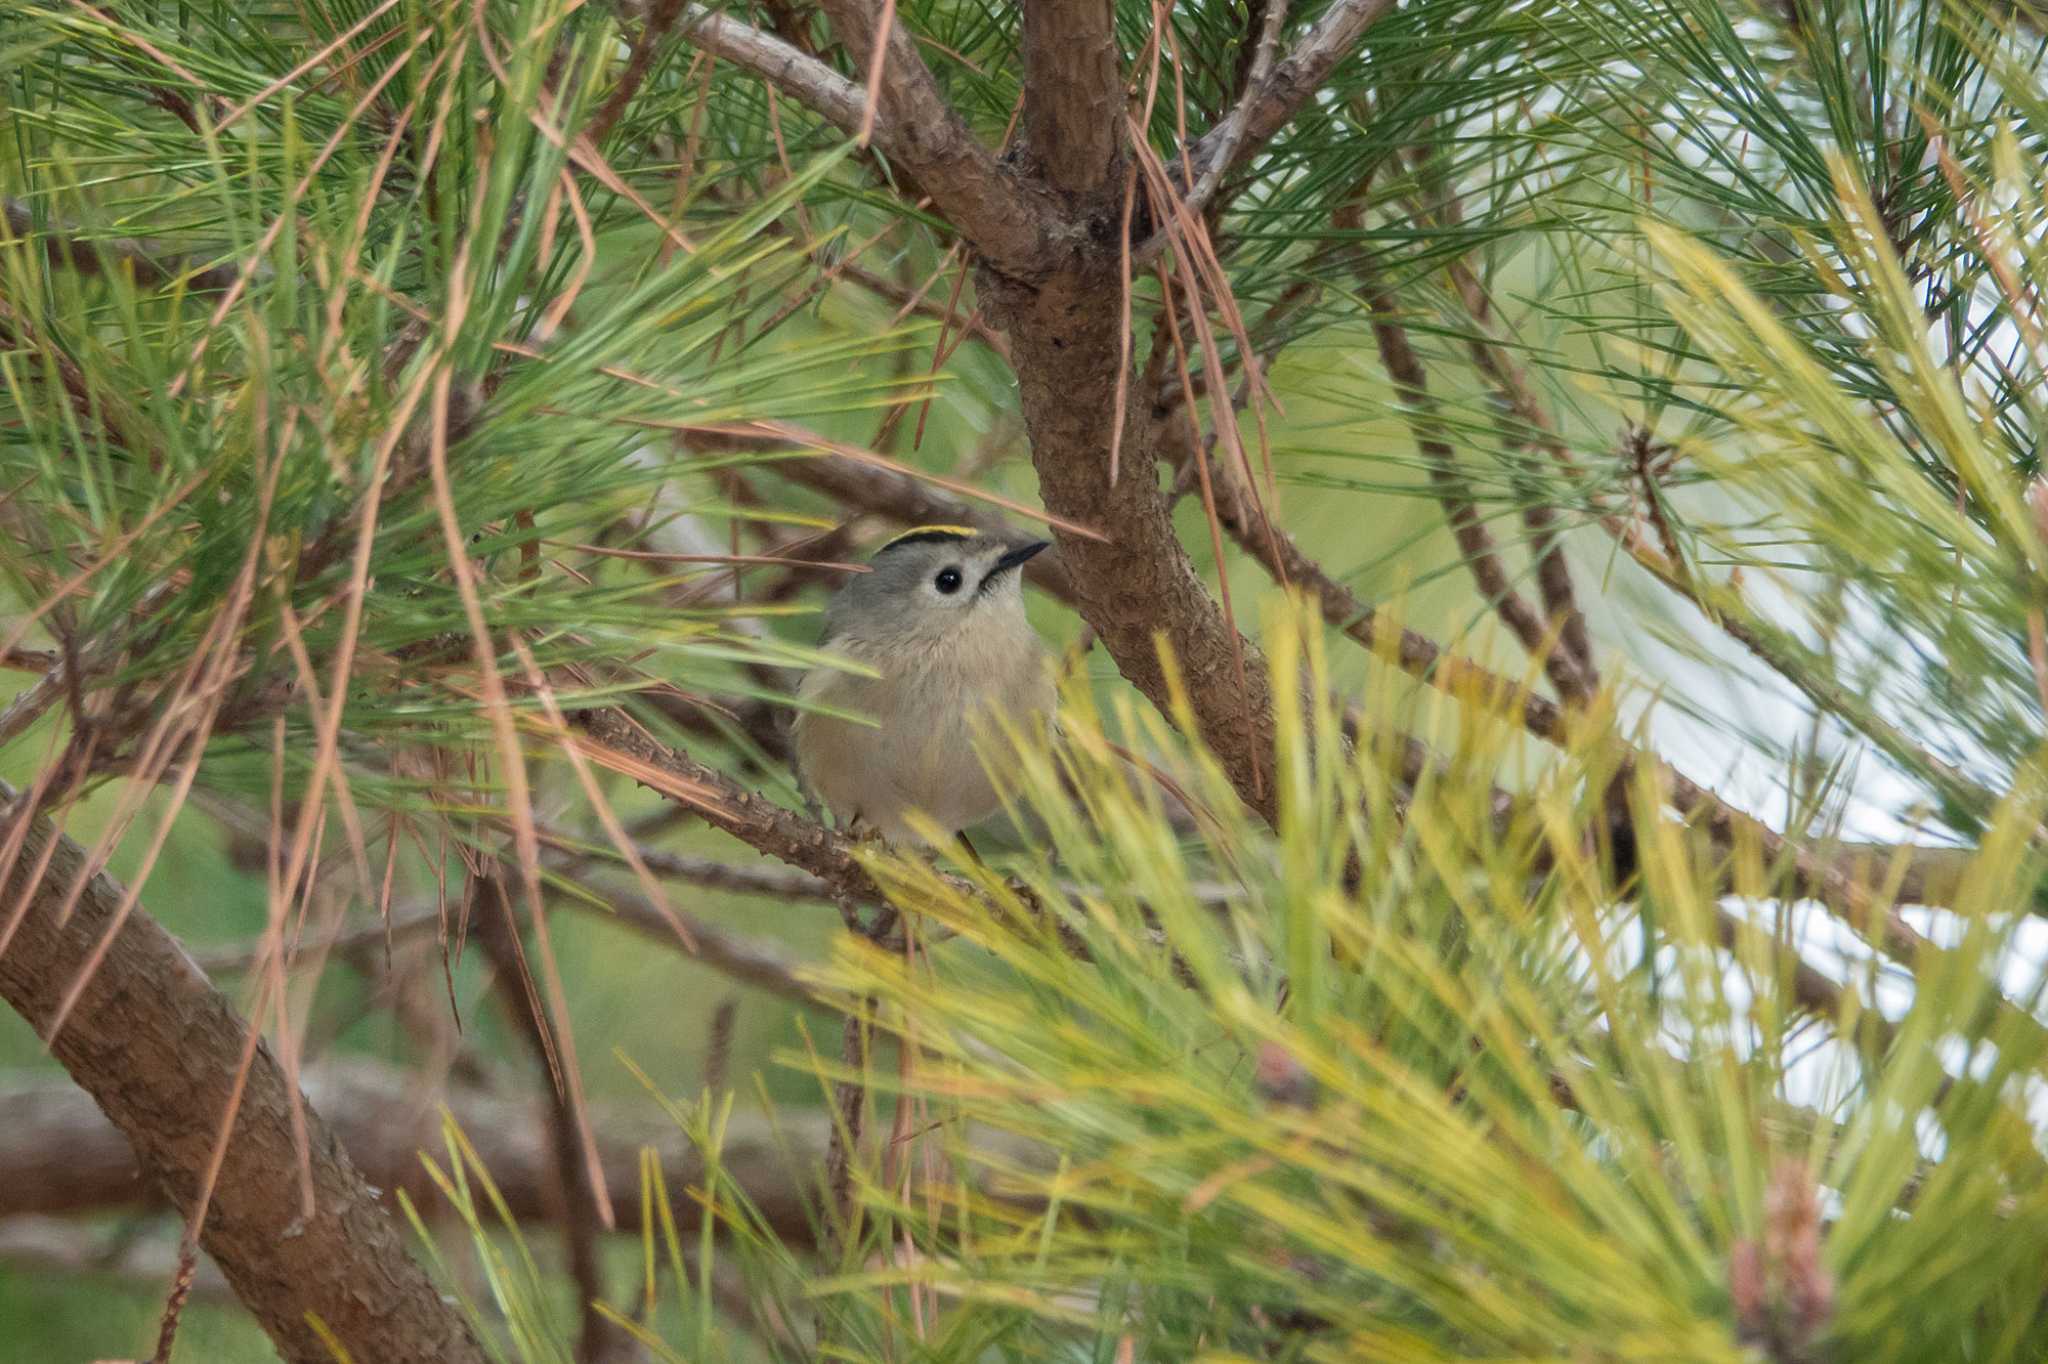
[[1004, 215], [1140, 587], [1073, 97], [158, 1048]]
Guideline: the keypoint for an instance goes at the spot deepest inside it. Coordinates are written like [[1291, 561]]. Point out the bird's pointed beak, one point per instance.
[[1015, 558]]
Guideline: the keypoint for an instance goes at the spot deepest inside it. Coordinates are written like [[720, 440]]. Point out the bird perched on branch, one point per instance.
[[940, 617]]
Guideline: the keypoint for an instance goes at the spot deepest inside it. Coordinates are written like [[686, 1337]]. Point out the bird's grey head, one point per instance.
[[927, 583]]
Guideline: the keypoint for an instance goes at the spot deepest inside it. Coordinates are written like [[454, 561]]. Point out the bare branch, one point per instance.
[[497, 929], [1271, 104], [1837, 876], [1553, 573], [60, 1155], [730, 954], [1414, 653], [161, 1051], [914, 126], [1008, 222], [803, 78], [1229, 135], [1411, 382], [723, 803]]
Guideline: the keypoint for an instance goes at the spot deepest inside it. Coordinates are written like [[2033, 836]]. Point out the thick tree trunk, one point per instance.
[[158, 1047]]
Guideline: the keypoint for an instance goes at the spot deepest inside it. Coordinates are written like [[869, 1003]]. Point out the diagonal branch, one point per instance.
[[497, 928], [1010, 226], [1415, 654], [1229, 135], [1272, 103], [61, 1156], [802, 77], [748, 960], [1475, 542], [1837, 876], [1722, 607], [1529, 424], [163, 1054], [623, 745]]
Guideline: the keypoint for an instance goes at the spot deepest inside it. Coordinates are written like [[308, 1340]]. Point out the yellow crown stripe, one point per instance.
[[963, 532]]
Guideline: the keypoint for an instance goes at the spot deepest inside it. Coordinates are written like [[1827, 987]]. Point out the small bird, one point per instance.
[[940, 615]]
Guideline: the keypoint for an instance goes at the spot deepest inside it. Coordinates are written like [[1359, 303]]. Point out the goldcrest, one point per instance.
[[940, 617]]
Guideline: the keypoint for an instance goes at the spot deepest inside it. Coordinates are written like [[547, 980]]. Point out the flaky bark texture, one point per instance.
[[157, 1047], [1073, 98]]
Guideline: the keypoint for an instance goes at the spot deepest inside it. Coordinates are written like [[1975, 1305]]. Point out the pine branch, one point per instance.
[[1482, 557], [60, 1156], [1271, 104], [755, 820], [497, 929], [1009, 226], [1553, 573], [1229, 136], [1839, 879], [802, 77], [168, 1060], [750, 961]]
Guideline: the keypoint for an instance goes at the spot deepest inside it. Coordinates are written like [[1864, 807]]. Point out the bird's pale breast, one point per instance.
[[930, 706]]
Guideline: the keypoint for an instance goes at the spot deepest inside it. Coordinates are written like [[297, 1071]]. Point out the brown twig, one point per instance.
[[1482, 557], [1271, 104], [1926, 875], [661, 17], [61, 1156], [148, 263], [1553, 573], [1229, 135], [849, 1114], [1666, 564], [496, 929], [735, 956], [718, 1044], [174, 1304], [913, 123]]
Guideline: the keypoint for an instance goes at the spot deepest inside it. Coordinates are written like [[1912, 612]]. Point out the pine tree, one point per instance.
[[1544, 854]]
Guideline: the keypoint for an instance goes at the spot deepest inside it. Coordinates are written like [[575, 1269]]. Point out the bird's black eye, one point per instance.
[[948, 581]]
